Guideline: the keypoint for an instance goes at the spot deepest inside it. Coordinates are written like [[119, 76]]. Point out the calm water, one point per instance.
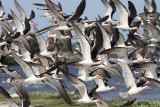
[[110, 95]]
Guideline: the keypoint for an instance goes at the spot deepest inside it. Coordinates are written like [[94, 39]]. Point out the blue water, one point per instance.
[[110, 95]]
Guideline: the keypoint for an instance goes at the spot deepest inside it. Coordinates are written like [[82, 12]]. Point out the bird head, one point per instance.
[[15, 72], [98, 101], [114, 88], [148, 87]]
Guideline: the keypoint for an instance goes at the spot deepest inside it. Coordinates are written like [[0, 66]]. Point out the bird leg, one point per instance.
[[81, 103], [129, 97]]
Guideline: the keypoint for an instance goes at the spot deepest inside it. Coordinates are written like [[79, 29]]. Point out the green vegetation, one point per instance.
[[62, 46], [9, 60], [34, 45], [43, 99]]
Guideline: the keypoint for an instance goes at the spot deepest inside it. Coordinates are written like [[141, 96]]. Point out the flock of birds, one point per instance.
[[134, 53]]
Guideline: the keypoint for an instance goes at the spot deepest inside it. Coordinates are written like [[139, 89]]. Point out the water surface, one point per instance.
[[110, 95]]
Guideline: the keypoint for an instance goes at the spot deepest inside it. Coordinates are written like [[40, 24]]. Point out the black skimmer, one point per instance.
[[130, 82], [123, 17], [31, 78], [82, 88], [8, 97], [20, 91]]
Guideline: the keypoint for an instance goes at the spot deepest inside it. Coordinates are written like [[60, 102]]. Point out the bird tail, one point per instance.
[[123, 94]]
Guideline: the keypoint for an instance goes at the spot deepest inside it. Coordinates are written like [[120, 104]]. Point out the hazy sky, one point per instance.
[[93, 8]]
